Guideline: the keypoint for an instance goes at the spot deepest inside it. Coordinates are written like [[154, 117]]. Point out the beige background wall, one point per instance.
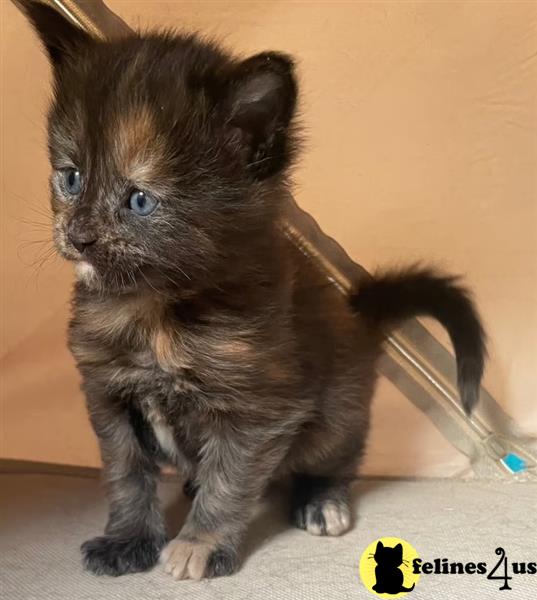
[[421, 122]]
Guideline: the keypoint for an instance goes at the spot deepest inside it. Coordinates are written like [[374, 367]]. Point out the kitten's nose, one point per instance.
[[81, 240]]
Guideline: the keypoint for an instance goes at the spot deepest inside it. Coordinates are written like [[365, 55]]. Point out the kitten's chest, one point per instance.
[[132, 351], [135, 333], [140, 347]]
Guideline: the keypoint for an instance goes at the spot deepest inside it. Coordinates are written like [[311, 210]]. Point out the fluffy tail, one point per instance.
[[389, 298]]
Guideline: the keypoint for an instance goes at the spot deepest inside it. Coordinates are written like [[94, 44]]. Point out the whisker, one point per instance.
[[170, 279], [177, 267], [45, 252], [259, 162], [149, 283], [41, 260]]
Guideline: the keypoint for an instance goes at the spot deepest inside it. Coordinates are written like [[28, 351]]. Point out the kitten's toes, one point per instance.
[[323, 517], [194, 559], [222, 561], [109, 555]]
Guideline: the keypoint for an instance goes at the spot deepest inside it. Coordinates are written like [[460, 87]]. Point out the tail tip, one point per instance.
[[470, 372]]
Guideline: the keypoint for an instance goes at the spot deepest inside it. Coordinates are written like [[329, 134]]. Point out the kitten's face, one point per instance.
[[165, 154], [140, 169]]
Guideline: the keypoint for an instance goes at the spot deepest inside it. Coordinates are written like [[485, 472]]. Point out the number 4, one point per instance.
[[505, 578]]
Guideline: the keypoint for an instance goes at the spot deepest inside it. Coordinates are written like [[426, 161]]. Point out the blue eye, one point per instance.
[[141, 203], [73, 181]]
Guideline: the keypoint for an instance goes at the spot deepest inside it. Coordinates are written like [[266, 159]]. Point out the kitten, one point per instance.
[[204, 338]]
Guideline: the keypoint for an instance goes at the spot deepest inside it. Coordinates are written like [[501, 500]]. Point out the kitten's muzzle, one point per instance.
[[81, 239]]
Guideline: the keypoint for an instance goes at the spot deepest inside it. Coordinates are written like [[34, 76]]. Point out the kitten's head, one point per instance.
[[387, 556], [167, 153]]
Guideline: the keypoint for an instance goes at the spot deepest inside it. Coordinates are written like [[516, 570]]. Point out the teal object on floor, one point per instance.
[[514, 463]]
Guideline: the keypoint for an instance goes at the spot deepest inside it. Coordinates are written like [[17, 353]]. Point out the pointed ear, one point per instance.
[[380, 546], [60, 37], [261, 103], [399, 549]]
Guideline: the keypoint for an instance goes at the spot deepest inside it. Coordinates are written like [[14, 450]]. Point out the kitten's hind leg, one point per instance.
[[321, 505]]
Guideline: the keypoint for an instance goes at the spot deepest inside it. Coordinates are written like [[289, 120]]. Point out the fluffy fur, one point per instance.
[[203, 337]]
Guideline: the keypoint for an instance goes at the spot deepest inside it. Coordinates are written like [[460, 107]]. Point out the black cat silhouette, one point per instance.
[[389, 576]]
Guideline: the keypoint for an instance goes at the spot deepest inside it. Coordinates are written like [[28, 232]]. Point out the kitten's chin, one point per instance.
[[86, 273]]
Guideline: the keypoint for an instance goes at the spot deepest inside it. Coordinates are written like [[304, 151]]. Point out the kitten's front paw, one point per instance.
[[109, 555], [194, 559], [328, 517]]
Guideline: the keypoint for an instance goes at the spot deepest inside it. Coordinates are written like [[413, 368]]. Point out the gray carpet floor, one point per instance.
[[44, 518]]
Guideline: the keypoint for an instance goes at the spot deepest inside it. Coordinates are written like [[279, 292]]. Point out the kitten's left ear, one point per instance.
[[60, 37], [261, 104]]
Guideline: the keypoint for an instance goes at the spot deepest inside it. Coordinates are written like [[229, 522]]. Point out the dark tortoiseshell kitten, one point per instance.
[[203, 337]]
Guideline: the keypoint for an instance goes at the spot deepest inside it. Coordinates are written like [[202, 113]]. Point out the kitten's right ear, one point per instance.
[[261, 104], [380, 546], [60, 37]]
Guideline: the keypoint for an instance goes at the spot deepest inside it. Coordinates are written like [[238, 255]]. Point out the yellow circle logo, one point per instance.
[[386, 567]]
